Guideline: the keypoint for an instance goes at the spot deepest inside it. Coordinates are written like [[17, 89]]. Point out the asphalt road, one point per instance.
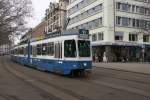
[[22, 83]]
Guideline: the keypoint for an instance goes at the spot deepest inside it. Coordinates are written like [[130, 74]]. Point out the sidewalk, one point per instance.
[[143, 68]]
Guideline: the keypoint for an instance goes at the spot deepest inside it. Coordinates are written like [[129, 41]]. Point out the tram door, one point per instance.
[[58, 56], [58, 50]]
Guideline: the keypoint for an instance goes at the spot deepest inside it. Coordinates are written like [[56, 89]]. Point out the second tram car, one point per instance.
[[65, 54]]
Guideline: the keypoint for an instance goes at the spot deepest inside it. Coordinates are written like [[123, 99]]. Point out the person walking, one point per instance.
[[104, 57]]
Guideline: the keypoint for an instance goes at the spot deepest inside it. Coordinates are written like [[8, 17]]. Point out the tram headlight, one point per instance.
[[75, 66], [85, 64]]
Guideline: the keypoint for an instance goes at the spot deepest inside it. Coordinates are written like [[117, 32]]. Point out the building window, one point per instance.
[[119, 36], [94, 37], [146, 38], [118, 5], [86, 14], [90, 25], [132, 8], [137, 23], [133, 22], [129, 22], [118, 20], [100, 36], [126, 7], [125, 21], [133, 37], [80, 5]]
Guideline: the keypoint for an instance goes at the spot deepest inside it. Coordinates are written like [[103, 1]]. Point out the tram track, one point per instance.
[[141, 80], [124, 88], [122, 77], [43, 93], [4, 96], [87, 81], [48, 84], [8, 97], [112, 83]]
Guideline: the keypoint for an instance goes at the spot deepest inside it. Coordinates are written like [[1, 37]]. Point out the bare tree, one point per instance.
[[12, 17]]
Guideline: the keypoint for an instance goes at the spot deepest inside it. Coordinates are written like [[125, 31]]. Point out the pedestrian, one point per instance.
[[104, 57], [94, 58], [99, 58]]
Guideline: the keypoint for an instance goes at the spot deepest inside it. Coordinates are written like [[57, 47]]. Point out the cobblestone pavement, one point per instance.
[[23, 83]]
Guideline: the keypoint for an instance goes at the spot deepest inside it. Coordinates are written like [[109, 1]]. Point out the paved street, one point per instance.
[[22, 83], [143, 68]]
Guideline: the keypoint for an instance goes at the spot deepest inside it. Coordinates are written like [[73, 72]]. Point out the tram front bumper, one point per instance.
[[83, 65]]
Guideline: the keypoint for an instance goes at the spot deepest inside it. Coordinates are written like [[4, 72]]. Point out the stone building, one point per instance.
[[56, 17]]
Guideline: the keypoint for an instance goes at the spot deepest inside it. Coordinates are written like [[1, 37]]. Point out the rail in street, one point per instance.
[[23, 83]]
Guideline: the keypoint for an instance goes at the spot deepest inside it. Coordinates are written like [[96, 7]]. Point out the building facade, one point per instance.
[[4, 49], [56, 17], [35, 33], [119, 29], [39, 31]]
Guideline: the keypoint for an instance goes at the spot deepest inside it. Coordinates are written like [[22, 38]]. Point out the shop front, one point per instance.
[[121, 53]]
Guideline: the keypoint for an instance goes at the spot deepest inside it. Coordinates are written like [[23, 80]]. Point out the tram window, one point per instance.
[[84, 48], [44, 49], [15, 51], [21, 51], [18, 51], [50, 49], [70, 48], [24, 51], [34, 51], [39, 49], [31, 50]]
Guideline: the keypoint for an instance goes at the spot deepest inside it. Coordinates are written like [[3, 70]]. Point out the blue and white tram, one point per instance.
[[64, 54]]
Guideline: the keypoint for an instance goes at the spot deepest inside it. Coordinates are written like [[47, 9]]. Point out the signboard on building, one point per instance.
[[84, 33]]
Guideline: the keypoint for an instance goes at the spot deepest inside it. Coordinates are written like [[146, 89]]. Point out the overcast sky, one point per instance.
[[39, 7]]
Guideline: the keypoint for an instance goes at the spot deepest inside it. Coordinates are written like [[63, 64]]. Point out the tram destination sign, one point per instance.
[[84, 33]]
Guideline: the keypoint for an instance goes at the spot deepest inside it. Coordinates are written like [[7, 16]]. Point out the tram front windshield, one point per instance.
[[70, 49], [84, 48]]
